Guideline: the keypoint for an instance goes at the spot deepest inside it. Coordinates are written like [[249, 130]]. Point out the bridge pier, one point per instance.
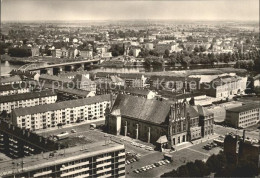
[[57, 70], [69, 68], [43, 71]]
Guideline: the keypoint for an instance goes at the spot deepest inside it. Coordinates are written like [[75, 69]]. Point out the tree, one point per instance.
[[19, 52], [166, 53]]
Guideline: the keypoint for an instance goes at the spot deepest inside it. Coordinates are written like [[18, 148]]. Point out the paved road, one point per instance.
[[224, 130], [181, 157]]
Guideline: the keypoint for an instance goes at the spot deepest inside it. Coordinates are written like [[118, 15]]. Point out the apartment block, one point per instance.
[[93, 160], [243, 116], [17, 143], [11, 89], [66, 112], [10, 102]]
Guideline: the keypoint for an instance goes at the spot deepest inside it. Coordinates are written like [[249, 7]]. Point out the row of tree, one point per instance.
[[218, 165]]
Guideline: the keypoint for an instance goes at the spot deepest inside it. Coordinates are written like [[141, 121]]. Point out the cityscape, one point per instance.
[[129, 88]]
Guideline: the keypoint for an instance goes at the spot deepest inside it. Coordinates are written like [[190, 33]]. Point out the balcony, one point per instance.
[[104, 170], [103, 164], [104, 158], [70, 173], [42, 173], [75, 165]]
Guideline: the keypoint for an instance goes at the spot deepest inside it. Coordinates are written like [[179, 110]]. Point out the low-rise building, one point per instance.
[[66, 112], [83, 83], [94, 160], [243, 116], [10, 102]]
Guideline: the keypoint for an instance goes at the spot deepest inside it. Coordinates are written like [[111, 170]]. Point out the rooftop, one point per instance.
[[245, 107], [140, 108], [14, 86], [26, 96], [60, 105], [60, 157], [15, 78]]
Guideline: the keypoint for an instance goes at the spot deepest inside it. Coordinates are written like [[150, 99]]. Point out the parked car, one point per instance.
[[73, 131]]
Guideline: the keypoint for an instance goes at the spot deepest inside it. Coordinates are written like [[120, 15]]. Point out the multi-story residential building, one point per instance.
[[11, 89], [17, 143], [243, 116], [10, 80], [164, 122], [94, 160], [10, 102], [66, 112], [224, 87]]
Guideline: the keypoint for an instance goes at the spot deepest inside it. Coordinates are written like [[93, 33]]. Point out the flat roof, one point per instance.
[[245, 107], [60, 156]]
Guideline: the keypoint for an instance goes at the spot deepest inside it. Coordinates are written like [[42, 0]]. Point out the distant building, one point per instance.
[[94, 160], [10, 102], [17, 143], [224, 87], [243, 116], [84, 83], [136, 52], [35, 51], [24, 74], [149, 46], [57, 53], [66, 112], [86, 54]]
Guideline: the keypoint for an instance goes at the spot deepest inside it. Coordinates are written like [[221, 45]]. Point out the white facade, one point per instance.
[[9, 106], [68, 115]]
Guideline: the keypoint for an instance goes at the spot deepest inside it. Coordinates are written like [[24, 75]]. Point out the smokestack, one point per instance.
[[244, 135]]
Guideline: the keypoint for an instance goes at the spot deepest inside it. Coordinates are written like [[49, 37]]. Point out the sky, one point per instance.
[[70, 10]]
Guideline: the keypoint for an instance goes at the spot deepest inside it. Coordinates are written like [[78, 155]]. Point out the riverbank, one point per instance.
[[16, 60]]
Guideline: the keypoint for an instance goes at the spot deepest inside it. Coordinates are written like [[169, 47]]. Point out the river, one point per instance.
[[6, 67]]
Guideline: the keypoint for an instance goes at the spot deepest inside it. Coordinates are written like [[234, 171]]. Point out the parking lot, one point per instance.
[[179, 158]]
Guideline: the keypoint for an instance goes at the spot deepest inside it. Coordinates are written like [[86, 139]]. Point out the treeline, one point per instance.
[[19, 52], [218, 165]]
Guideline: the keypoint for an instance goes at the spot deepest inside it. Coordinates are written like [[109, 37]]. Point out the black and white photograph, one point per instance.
[[129, 88]]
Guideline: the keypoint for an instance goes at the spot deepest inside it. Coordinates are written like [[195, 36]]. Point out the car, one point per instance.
[[132, 143], [138, 155], [167, 161], [160, 163], [163, 162], [153, 165], [136, 171], [127, 162], [142, 146], [73, 131], [157, 164], [143, 168]]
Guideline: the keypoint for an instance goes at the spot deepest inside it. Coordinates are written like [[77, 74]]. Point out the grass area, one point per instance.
[[75, 141]]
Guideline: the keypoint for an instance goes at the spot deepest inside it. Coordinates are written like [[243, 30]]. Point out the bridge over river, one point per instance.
[[55, 69]]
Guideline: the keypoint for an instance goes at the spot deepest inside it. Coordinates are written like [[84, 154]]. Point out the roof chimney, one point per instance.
[[244, 135]]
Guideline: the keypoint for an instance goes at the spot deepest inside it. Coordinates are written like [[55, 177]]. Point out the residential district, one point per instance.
[[72, 107]]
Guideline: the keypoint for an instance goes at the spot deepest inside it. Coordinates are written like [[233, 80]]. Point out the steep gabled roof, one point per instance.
[[140, 108]]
